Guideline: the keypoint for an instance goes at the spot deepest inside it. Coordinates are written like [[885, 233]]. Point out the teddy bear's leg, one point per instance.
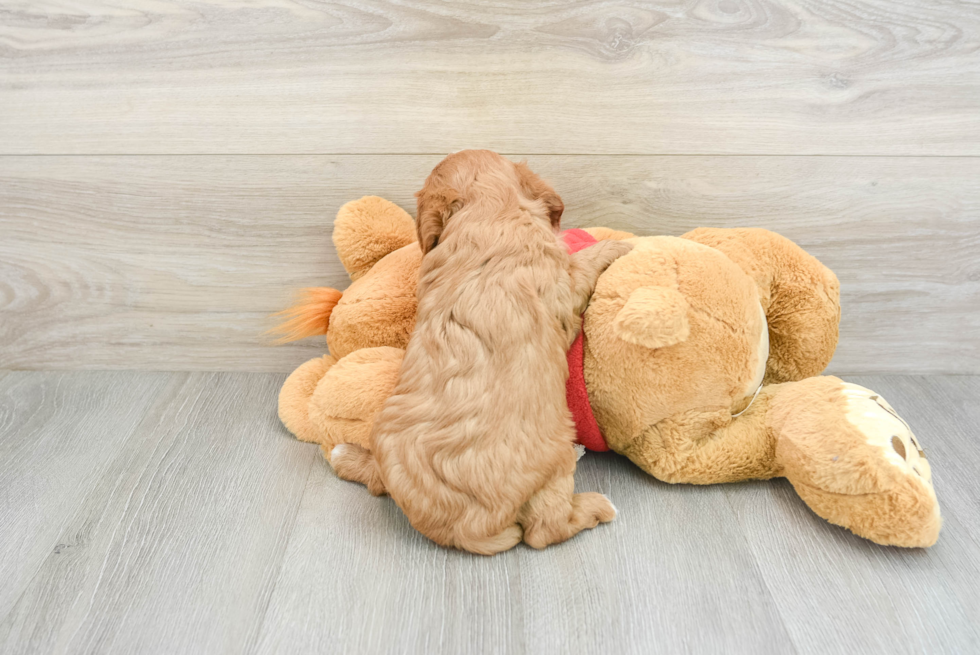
[[800, 297], [294, 398], [708, 447], [367, 229], [847, 453], [855, 461], [348, 397]]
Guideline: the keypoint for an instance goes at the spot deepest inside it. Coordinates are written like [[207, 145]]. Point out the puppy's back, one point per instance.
[[478, 417]]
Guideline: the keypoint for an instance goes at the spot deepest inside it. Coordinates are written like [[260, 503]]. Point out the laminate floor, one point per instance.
[[172, 513]]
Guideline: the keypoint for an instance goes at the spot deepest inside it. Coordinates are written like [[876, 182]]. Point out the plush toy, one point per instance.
[[697, 361]]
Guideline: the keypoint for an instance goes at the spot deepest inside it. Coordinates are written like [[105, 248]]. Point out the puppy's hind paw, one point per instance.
[[338, 452], [354, 463], [596, 506]]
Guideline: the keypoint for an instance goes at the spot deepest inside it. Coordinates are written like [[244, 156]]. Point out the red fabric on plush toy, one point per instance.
[[586, 427]]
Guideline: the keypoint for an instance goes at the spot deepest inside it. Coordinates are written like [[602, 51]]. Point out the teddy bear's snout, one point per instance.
[[885, 429]]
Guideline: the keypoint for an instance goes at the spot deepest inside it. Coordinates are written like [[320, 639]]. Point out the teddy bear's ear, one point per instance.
[[653, 317]]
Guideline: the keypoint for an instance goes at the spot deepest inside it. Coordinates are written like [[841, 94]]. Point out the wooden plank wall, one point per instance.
[[169, 171]]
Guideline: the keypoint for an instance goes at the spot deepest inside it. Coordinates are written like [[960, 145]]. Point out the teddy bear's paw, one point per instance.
[[887, 432], [855, 461], [904, 511]]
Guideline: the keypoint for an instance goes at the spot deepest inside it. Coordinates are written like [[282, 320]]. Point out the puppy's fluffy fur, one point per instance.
[[476, 442]]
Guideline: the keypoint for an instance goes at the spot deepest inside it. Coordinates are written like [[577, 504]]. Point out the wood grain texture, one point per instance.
[[211, 530], [664, 77], [59, 435], [839, 593], [357, 579], [176, 549], [175, 262]]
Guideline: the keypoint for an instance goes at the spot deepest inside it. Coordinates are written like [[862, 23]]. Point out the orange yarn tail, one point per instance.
[[309, 316]]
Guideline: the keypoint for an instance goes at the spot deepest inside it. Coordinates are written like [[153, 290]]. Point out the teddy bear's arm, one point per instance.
[[800, 296]]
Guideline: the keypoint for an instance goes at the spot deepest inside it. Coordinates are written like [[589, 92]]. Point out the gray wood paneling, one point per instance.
[[175, 262], [663, 77]]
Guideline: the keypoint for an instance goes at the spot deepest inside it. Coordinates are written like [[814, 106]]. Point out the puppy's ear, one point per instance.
[[555, 207], [433, 210], [537, 189]]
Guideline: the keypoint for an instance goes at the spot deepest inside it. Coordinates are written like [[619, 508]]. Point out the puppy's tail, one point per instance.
[[357, 464], [309, 316]]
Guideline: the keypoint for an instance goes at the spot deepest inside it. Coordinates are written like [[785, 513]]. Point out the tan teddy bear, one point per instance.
[[697, 363]]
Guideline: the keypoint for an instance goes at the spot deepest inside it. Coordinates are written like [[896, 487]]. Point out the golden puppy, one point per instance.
[[476, 442]]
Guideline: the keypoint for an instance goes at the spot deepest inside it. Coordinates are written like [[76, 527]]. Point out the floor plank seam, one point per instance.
[[336, 574], [156, 409], [62, 537], [758, 569], [253, 642]]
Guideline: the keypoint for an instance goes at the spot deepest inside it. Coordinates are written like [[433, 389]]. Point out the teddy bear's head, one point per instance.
[[674, 327]]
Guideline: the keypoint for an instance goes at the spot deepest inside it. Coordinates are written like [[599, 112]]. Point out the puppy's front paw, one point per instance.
[[619, 247], [609, 251]]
